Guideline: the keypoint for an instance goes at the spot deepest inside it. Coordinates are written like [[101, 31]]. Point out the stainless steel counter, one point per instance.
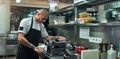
[[7, 46]]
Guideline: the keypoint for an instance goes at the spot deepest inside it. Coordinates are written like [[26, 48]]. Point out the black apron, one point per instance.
[[33, 36]]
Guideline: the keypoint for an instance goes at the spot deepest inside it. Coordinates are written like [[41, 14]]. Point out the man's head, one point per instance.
[[41, 16]]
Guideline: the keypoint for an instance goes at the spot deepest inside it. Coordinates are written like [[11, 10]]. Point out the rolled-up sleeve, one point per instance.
[[22, 26]]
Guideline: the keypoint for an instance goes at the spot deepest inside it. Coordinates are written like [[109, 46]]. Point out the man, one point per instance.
[[29, 33]]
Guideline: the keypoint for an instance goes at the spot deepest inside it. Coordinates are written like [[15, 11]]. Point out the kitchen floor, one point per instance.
[[8, 57]]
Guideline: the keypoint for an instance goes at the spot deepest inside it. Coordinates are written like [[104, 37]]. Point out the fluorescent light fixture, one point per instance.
[[18, 1]]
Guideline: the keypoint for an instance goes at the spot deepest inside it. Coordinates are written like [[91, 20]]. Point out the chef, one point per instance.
[[29, 33]]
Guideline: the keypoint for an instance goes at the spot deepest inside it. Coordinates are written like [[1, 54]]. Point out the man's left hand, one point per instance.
[[61, 38]]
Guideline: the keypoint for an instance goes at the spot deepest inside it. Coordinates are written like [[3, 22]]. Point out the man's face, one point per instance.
[[42, 17]]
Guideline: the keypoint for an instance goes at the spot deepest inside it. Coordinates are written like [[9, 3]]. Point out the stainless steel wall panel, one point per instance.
[[110, 34]]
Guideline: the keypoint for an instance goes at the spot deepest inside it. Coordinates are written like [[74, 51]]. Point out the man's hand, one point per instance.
[[61, 38], [39, 50]]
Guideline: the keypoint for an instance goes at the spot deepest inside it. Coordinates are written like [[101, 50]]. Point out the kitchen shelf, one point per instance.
[[89, 25], [64, 9], [60, 25], [92, 3]]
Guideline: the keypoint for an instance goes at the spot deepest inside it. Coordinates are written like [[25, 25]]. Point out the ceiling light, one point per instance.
[[18, 1]]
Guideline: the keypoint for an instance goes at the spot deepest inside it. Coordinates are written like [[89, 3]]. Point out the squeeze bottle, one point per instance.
[[118, 50], [111, 54]]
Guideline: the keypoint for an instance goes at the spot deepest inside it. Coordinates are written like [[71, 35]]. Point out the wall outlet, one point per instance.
[[95, 39]]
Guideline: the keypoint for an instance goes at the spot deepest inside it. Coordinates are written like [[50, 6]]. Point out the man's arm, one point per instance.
[[54, 37], [24, 41]]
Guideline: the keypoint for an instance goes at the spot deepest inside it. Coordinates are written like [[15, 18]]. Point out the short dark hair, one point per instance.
[[43, 10]]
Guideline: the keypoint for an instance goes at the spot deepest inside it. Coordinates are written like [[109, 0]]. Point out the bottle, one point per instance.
[[111, 54], [118, 50], [117, 57]]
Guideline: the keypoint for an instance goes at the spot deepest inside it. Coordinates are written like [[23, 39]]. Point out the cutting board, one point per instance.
[[90, 54]]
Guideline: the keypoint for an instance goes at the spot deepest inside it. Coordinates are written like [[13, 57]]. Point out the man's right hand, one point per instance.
[[38, 50]]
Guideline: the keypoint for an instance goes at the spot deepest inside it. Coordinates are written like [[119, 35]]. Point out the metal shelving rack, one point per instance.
[[90, 25]]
